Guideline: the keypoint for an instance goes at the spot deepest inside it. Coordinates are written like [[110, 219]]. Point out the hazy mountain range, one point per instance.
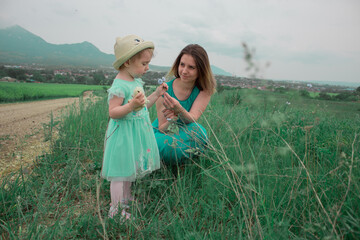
[[19, 46]]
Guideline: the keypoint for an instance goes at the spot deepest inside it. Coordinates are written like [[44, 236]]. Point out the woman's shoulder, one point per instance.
[[170, 87], [170, 83]]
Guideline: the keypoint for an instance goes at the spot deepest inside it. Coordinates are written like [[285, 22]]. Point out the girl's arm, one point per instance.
[[160, 90], [117, 110], [197, 109]]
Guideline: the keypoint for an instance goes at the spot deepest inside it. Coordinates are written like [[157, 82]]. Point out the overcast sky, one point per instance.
[[302, 40]]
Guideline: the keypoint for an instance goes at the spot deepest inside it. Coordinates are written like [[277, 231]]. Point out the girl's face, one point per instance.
[[138, 65], [187, 68]]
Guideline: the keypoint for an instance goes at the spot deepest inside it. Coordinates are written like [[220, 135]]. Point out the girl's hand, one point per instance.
[[137, 101], [172, 104], [160, 90]]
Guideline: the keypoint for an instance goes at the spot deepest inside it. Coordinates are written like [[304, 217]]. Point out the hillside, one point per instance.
[[19, 46]]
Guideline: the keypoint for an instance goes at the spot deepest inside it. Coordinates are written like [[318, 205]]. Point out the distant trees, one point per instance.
[[16, 73], [324, 96], [152, 77], [105, 76], [281, 89], [343, 96], [98, 78], [81, 79], [304, 93], [61, 78], [37, 76], [3, 72]]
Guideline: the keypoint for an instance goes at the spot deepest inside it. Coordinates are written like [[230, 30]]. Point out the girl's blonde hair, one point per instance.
[[205, 81], [138, 55]]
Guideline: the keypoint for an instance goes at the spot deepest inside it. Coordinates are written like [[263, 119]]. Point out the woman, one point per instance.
[[188, 95]]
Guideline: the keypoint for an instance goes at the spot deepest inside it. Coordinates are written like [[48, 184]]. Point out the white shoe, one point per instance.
[[113, 211], [125, 215]]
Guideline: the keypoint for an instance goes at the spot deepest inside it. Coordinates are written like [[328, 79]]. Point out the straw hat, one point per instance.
[[127, 47]]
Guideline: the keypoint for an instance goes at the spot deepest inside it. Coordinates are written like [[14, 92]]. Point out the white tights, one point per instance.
[[120, 192]]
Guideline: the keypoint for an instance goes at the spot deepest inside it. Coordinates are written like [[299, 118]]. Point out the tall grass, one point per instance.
[[272, 170]]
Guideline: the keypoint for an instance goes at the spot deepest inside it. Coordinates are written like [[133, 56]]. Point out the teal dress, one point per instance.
[[174, 147], [130, 149]]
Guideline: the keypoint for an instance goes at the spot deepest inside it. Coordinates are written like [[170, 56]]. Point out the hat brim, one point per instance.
[[144, 45]]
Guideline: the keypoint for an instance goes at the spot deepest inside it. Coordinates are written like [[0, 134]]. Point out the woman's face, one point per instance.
[[187, 68]]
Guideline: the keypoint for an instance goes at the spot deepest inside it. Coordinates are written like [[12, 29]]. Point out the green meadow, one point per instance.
[[11, 92], [277, 166]]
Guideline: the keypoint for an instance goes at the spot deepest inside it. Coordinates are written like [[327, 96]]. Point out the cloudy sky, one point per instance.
[[293, 40]]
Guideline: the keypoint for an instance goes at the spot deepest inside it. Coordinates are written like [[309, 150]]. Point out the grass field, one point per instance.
[[11, 92], [278, 166]]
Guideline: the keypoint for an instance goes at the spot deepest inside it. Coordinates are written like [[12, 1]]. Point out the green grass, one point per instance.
[[272, 170], [10, 92]]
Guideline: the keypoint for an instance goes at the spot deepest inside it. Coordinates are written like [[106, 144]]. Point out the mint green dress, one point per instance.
[[173, 147], [130, 149]]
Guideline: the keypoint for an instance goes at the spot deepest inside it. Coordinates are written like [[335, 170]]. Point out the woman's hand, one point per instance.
[[171, 103], [169, 114]]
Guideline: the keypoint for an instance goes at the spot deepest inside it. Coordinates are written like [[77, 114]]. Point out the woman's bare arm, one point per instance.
[[197, 109]]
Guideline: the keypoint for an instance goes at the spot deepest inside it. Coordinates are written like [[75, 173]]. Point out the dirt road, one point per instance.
[[22, 131]]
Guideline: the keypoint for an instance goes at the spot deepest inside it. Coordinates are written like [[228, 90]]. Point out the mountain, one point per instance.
[[19, 46], [219, 71], [159, 68]]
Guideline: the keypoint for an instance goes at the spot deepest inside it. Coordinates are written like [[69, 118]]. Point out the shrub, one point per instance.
[[233, 98], [304, 93], [324, 96]]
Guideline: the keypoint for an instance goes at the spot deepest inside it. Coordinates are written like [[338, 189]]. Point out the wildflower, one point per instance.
[[195, 151], [173, 128], [161, 80]]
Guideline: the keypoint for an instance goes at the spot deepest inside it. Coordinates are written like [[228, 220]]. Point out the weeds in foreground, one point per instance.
[[280, 172]]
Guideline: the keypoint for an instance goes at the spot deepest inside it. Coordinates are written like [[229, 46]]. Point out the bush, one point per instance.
[[233, 98], [304, 93], [324, 96], [343, 96], [281, 90]]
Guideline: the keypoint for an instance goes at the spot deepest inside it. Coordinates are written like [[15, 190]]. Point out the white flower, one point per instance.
[[161, 80]]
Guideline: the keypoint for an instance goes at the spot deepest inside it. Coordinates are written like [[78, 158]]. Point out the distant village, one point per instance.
[[105, 76], [261, 84]]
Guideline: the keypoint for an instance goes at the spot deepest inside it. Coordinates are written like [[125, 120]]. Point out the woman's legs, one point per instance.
[[173, 147]]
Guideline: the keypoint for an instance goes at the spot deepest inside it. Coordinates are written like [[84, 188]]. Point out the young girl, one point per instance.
[[130, 148]]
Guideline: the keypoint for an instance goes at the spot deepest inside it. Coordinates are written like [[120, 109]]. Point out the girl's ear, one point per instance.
[[127, 63]]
